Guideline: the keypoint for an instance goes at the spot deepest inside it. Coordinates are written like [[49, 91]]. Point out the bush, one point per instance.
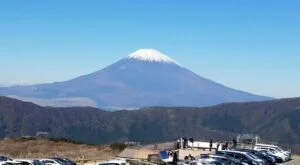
[[65, 140], [118, 147]]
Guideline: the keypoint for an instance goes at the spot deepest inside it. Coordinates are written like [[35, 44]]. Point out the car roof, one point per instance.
[[12, 161], [23, 160], [267, 145], [217, 156], [48, 159], [232, 151], [116, 161], [208, 160]]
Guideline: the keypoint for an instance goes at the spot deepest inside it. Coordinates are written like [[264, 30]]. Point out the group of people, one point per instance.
[[189, 158], [225, 145], [183, 142]]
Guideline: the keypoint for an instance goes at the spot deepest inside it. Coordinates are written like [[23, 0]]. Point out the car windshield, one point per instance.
[[252, 155], [216, 163], [67, 160], [3, 158], [226, 161], [59, 160], [37, 162], [270, 152], [24, 163], [265, 152]]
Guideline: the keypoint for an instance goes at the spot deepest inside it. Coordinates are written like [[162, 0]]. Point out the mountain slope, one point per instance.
[[144, 78], [276, 121]]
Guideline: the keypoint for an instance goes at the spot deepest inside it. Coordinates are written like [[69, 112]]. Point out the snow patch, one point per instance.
[[151, 55]]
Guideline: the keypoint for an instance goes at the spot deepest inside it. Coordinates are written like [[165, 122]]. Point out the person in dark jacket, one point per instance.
[[192, 141], [210, 145], [226, 145], [175, 158], [234, 143], [223, 146], [178, 144], [190, 158], [185, 142]]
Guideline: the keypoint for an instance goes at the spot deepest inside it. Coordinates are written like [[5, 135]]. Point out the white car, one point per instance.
[[277, 148], [275, 153], [117, 161], [4, 158], [29, 162], [206, 161], [10, 162], [284, 156], [49, 162]]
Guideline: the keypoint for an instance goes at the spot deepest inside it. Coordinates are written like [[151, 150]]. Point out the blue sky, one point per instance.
[[248, 45]]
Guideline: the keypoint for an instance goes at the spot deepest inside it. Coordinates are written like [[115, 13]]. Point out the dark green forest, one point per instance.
[[275, 121]]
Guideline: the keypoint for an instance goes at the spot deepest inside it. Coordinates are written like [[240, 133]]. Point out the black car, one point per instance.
[[277, 158], [242, 156], [64, 161], [269, 160], [226, 160]]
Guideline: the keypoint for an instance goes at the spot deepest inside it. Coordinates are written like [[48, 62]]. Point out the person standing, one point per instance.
[[223, 146], [181, 143], [185, 141], [175, 158], [218, 145], [210, 145], [191, 158], [178, 144], [226, 145], [234, 143], [192, 141]]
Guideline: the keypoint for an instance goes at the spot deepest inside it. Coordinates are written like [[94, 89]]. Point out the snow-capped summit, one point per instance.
[[151, 55]]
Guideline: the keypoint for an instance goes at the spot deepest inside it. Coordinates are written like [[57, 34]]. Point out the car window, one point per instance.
[[58, 160], [48, 161], [226, 161], [230, 154], [25, 163], [239, 156], [252, 155], [36, 162], [193, 163], [220, 153], [216, 163], [3, 158]]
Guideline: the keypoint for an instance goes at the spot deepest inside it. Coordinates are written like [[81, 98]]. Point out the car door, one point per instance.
[[242, 158]]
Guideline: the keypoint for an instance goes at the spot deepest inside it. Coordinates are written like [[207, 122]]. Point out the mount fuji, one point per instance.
[[144, 78]]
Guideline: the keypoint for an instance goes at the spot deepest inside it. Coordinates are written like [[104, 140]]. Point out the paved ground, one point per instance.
[[296, 161]]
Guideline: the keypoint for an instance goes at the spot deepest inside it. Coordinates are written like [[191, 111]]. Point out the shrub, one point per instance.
[[118, 147]]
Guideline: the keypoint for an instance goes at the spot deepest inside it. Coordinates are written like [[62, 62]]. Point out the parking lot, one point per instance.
[[296, 161]]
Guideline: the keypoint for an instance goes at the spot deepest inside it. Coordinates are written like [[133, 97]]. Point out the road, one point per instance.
[[296, 161]]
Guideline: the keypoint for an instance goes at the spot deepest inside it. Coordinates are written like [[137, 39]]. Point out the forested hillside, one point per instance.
[[276, 121]]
